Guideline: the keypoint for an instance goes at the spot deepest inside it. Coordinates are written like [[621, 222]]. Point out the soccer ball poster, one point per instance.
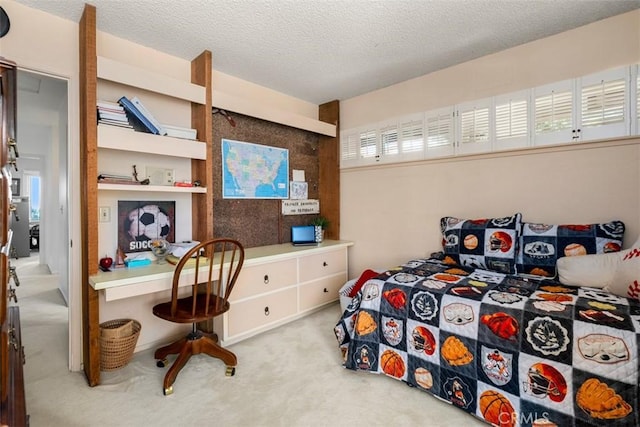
[[140, 222]]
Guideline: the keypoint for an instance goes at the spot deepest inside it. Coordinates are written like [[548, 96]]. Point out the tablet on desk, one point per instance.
[[303, 235]]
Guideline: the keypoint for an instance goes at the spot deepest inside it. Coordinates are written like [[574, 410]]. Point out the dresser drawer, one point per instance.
[[250, 314], [321, 292], [257, 279], [317, 266]]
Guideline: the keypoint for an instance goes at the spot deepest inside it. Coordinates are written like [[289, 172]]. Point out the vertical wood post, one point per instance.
[[329, 179], [89, 192]]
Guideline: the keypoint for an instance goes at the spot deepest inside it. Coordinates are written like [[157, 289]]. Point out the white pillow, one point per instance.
[[626, 281], [594, 271]]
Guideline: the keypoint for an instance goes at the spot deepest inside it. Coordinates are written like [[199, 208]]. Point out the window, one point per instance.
[[368, 144], [440, 132], [32, 188], [598, 106], [553, 113], [512, 120], [389, 140], [473, 122], [603, 104], [636, 72], [412, 137]]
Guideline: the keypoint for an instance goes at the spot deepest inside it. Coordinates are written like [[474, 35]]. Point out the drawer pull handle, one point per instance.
[[324, 264], [326, 291], [266, 311], [266, 279]]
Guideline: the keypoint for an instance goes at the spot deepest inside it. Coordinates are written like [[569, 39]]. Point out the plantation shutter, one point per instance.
[[350, 142], [368, 144], [553, 113], [512, 120], [603, 105], [389, 140], [440, 132], [473, 122], [637, 131], [412, 137]]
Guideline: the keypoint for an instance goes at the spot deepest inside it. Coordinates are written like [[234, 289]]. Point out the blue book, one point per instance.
[[147, 114], [137, 119]]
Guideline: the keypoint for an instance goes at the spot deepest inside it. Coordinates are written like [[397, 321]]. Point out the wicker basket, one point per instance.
[[118, 339]]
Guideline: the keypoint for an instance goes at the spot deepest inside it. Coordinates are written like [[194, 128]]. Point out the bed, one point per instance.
[[510, 348]]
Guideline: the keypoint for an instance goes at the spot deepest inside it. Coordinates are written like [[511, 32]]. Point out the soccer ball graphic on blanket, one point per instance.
[[148, 223]]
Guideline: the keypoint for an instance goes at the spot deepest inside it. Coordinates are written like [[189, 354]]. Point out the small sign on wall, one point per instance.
[[300, 207]]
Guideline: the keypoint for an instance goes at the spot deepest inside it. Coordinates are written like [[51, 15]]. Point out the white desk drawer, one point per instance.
[[321, 265], [321, 292], [258, 279], [250, 314]]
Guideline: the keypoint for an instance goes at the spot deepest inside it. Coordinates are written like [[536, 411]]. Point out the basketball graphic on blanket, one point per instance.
[[496, 409], [392, 364]]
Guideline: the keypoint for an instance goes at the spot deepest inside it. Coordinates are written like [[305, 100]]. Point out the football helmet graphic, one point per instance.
[[545, 381], [423, 340]]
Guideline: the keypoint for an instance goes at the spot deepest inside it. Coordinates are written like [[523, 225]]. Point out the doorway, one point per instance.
[[43, 175]]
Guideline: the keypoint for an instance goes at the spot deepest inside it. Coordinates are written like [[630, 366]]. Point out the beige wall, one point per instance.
[[45, 43], [392, 212], [596, 47]]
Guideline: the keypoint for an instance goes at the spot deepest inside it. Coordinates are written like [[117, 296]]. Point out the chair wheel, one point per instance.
[[168, 391], [231, 371], [162, 363]]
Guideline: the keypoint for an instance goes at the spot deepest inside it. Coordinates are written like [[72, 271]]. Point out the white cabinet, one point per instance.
[[281, 283]]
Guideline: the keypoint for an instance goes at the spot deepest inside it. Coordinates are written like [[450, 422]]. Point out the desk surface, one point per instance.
[[261, 254]]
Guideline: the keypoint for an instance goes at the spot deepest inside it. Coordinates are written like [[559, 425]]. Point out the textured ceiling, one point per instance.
[[320, 50]]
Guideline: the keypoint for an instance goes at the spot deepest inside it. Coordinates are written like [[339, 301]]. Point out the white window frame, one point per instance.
[[619, 128], [349, 148], [387, 131], [477, 108], [559, 136], [409, 126], [567, 107], [520, 140], [440, 114], [634, 100]]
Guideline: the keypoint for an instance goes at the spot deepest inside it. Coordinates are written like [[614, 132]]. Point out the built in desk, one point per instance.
[[277, 284]]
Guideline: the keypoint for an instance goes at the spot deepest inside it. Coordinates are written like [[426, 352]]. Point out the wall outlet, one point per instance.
[[160, 176]]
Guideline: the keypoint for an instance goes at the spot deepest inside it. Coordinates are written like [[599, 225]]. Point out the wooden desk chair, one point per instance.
[[217, 265]]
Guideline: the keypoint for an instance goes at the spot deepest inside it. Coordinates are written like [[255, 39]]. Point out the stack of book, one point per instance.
[[180, 132], [109, 178], [140, 118], [112, 114]]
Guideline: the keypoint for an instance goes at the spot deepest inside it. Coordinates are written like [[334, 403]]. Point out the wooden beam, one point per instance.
[[329, 179], [89, 193], [202, 170]]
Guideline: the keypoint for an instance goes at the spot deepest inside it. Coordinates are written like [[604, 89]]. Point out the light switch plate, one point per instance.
[[104, 214], [160, 176]]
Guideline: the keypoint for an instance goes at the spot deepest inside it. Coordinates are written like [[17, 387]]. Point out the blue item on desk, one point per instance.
[[137, 262]]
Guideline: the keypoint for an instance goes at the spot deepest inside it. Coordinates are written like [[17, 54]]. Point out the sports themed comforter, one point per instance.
[[510, 350]]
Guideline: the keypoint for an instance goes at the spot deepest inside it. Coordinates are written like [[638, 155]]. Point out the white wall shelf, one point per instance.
[[124, 139], [150, 188], [109, 69]]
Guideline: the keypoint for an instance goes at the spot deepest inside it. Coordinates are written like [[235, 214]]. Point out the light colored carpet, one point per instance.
[[290, 376]]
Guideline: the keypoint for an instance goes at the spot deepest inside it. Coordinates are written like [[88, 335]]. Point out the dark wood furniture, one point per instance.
[[12, 395], [217, 265]]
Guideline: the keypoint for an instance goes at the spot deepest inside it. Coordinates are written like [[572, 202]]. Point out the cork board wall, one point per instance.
[[259, 222]]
